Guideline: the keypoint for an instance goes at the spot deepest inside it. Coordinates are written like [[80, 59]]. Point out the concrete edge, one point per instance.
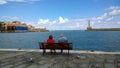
[[71, 51]]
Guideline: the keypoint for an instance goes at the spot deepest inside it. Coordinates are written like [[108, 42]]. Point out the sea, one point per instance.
[[81, 39]]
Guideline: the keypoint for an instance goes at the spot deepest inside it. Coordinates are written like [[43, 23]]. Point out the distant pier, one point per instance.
[[89, 28]]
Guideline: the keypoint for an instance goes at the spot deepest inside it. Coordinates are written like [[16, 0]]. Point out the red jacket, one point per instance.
[[50, 41]]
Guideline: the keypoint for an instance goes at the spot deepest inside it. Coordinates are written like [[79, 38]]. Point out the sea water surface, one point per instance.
[[82, 40]]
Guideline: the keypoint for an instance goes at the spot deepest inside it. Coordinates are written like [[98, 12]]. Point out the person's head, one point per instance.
[[50, 37], [61, 35]]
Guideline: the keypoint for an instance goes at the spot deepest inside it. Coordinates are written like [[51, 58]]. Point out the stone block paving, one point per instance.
[[74, 60]]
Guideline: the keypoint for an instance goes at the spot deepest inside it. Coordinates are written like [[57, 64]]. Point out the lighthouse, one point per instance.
[[89, 27]]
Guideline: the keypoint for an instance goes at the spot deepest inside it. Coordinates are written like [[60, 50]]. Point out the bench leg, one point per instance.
[[44, 51], [68, 51], [61, 50], [51, 51]]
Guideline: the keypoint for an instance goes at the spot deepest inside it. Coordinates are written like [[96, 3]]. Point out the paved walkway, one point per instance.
[[76, 59]]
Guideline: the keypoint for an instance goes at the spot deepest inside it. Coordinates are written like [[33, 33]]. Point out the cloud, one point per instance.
[[2, 2], [109, 19], [16, 0], [6, 1], [63, 20], [43, 21], [119, 22], [53, 24], [15, 18], [102, 16], [115, 12], [62, 23], [46, 23], [113, 7]]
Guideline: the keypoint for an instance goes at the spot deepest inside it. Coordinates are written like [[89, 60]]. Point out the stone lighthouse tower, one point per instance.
[[89, 27]]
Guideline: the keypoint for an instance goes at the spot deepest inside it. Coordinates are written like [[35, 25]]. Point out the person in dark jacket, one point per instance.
[[62, 39]]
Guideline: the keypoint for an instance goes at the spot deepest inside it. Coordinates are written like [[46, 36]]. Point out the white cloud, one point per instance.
[[6, 1], [119, 22], [53, 22], [115, 12], [72, 24], [16, 0], [15, 18], [113, 7], [63, 20], [102, 16], [46, 23], [109, 19], [43, 21], [2, 2]]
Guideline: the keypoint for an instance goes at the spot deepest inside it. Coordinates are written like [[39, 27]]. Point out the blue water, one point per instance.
[[82, 40]]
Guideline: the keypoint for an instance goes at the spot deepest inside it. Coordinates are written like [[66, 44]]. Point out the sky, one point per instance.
[[62, 14]]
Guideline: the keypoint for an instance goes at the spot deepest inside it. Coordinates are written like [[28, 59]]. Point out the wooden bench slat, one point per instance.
[[63, 46]]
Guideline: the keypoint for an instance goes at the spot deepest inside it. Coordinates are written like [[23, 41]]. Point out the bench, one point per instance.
[[61, 46]]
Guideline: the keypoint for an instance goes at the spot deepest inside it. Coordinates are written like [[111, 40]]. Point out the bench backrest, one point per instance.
[[44, 45]]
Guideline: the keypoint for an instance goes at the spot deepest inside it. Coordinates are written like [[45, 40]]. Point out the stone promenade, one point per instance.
[[76, 59]]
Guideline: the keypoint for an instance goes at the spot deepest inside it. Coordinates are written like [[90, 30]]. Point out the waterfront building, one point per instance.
[[17, 26], [14, 26], [2, 26], [31, 28]]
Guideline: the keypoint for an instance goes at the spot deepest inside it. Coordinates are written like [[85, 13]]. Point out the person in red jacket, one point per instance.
[[51, 40]]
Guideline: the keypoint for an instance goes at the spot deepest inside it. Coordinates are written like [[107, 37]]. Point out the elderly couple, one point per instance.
[[62, 39]]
